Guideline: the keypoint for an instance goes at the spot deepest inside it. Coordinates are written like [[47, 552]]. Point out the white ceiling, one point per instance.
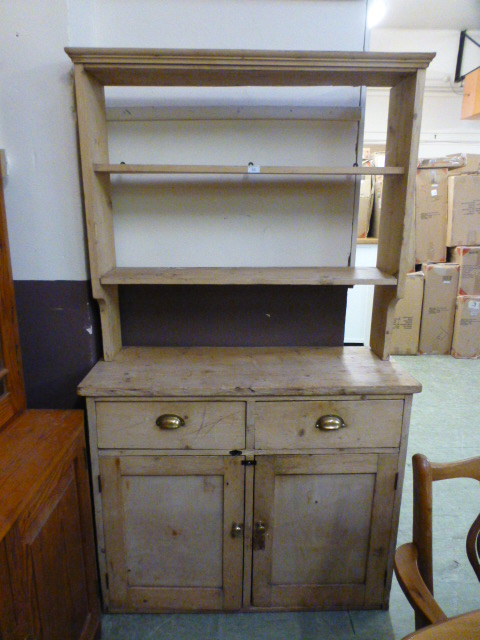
[[432, 14]]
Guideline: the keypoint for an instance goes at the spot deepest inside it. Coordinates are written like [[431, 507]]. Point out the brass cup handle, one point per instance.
[[330, 423], [169, 421]]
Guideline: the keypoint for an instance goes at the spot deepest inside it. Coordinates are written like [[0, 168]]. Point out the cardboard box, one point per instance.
[[471, 163], [408, 312], [438, 312], [466, 332], [431, 215], [365, 206], [469, 278], [471, 94], [463, 224]]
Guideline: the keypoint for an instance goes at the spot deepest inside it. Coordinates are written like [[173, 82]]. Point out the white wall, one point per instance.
[[37, 130], [236, 24], [37, 120], [442, 129]]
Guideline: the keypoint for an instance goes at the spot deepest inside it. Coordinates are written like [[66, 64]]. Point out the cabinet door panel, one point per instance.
[[9, 625], [167, 526], [314, 542], [190, 509], [328, 521], [46, 549]]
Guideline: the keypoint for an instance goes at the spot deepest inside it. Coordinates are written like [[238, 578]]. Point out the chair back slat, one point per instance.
[[473, 546]]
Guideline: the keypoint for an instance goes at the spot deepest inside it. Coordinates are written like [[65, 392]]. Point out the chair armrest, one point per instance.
[[413, 586]]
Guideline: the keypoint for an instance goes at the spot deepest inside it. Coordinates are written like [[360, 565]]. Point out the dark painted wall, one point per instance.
[[233, 315], [61, 339]]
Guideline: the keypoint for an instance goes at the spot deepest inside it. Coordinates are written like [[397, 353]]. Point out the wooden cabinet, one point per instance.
[[280, 485], [48, 581], [12, 392], [48, 586], [253, 502]]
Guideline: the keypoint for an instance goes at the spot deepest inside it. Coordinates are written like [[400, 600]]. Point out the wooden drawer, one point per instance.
[[291, 425], [208, 425]]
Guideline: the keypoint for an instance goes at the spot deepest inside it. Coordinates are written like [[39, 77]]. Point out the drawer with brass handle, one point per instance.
[[328, 424], [170, 425]]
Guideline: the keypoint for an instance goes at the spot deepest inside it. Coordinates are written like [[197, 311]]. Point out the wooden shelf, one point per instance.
[[343, 276], [403, 73], [138, 113], [243, 170]]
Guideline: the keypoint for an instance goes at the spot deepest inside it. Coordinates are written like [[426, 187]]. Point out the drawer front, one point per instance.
[[207, 425], [291, 425]]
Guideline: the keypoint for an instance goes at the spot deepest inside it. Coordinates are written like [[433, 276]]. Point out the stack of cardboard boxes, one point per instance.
[[440, 312]]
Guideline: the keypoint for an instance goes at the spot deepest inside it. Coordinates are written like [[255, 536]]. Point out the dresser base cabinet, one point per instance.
[[48, 586], [278, 489]]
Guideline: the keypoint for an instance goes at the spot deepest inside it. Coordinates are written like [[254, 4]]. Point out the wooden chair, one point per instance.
[[466, 626], [413, 561]]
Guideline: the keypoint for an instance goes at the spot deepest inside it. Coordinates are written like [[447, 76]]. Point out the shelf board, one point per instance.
[[243, 170], [137, 113], [367, 240], [345, 276]]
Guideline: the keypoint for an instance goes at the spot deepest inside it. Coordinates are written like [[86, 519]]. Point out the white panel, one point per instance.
[[239, 221], [235, 221]]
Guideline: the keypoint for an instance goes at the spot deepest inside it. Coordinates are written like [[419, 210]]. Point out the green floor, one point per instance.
[[445, 425]]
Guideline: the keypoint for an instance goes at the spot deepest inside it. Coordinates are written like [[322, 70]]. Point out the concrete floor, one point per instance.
[[445, 426]]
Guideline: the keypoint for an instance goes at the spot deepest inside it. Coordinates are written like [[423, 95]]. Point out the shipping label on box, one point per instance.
[[466, 333], [469, 278], [430, 215], [438, 313], [408, 312], [463, 224]]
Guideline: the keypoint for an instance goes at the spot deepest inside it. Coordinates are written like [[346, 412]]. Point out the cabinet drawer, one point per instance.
[[207, 425], [291, 425]]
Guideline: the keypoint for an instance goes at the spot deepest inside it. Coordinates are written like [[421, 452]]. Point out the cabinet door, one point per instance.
[[49, 552], [322, 528], [10, 626], [168, 530]]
